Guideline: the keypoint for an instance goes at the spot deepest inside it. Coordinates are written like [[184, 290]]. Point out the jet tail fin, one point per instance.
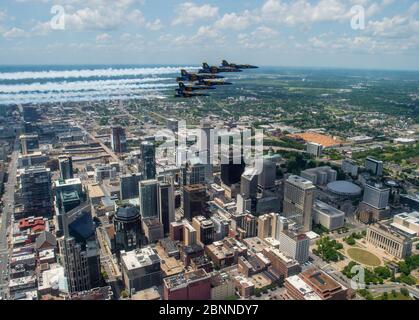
[[225, 63], [205, 65], [183, 72], [181, 85]]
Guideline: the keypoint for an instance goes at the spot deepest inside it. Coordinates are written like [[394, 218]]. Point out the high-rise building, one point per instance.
[[65, 164], [266, 178], [118, 139], [320, 175], [315, 149], [189, 234], [127, 225], [193, 172], [298, 200], [36, 192], [28, 143], [78, 249], [267, 225], [30, 114], [74, 260], [294, 245], [249, 225], [129, 185], [206, 147], [166, 205], [194, 200], [205, 230], [172, 124], [149, 202], [148, 160], [232, 169], [249, 183], [376, 195], [374, 166], [350, 166]]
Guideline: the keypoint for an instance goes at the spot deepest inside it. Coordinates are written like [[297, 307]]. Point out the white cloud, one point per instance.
[[14, 33], [154, 25], [103, 38], [235, 21], [188, 13]]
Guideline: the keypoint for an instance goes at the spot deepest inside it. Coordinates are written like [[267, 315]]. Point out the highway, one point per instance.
[[8, 207]]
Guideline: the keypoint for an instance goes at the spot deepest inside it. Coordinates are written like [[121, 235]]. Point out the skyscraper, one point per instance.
[[129, 185], [376, 195], [205, 230], [148, 160], [127, 225], [149, 204], [249, 183], [231, 169], [166, 205], [206, 146], [118, 139], [194, 200], [266, 179], [194, 172], [65, 164], [374, 166], [78, 249], [298, 200], [35, 189]]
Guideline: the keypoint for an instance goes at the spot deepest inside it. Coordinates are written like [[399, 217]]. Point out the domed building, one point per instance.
[[127, 225]]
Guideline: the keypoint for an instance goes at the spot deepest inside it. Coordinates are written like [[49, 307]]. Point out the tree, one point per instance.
[[404, 292], [382, 272], [384, 296], [394, 293]]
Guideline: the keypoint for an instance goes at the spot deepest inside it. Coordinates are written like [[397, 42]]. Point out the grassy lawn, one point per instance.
[[398, 296], [363, 257]]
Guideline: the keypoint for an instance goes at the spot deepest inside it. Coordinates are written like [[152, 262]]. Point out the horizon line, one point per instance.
[[198, 66]]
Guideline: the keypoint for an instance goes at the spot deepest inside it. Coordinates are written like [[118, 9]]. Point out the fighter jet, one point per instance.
[[209, 82], [188, 94], [225, 64], [207, 69], [192, 77], [189, 88]]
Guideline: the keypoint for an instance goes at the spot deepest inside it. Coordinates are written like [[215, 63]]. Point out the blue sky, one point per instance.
[[265, 32]]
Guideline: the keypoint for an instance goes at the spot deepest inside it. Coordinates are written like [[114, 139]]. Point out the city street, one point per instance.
[[8, 201]]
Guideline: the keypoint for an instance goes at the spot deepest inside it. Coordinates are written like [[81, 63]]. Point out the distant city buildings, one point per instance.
[[315, 149], [374, 166], [118, 139], [148, 160]]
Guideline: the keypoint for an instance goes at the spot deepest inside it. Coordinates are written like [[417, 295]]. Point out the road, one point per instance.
[[8, 201], [104, 147]]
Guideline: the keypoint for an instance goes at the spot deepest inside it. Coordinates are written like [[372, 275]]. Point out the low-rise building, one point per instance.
[[140, 269], [391, 241], [195, 285], [328, 216]]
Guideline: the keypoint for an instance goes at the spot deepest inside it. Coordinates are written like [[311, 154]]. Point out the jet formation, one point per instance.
[[207, 78]]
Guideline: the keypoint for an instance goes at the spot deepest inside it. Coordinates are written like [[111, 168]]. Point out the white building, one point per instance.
[[294, 245], [328, 216]]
